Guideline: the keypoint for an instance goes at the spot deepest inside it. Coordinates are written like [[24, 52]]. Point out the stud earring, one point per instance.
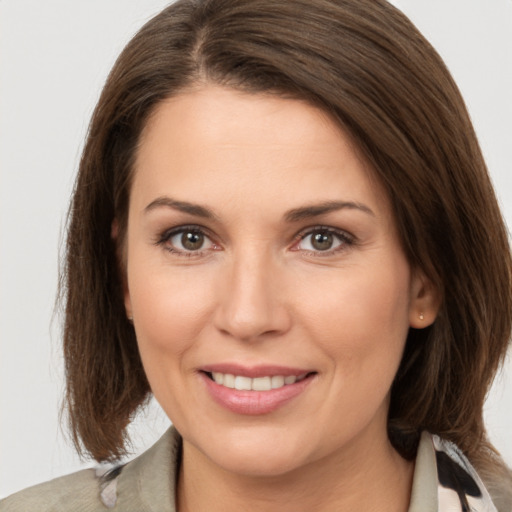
[[421, 316]]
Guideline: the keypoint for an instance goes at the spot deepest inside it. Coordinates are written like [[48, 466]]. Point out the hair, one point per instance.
[[367, 66]]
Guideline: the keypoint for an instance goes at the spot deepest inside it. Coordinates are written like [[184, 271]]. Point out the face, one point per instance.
[[269, 292]]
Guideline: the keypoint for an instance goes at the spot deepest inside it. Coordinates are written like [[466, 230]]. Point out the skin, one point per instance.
[[258, 292]]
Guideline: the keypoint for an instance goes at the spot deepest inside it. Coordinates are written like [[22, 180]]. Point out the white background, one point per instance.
[[55, 55]]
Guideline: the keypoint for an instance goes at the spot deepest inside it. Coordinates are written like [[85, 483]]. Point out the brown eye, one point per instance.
[[192, 241], [188, 241], [322, 240]]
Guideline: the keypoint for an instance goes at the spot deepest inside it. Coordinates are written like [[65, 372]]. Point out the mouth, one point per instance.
[[255, 390], [261, 383]]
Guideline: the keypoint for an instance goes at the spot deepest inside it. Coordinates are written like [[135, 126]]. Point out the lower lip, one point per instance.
[[254, 402]]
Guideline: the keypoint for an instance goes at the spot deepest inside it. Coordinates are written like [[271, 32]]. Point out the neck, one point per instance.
[[371, 477]]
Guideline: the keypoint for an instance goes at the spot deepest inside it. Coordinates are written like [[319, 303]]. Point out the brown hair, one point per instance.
[[365, 64]]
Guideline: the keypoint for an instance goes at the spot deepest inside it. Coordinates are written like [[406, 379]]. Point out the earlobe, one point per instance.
[[425, 301], [121, 262], [114, 230], [128, 305]]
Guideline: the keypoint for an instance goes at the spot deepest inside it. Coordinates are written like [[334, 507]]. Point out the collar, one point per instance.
[[445, 481]]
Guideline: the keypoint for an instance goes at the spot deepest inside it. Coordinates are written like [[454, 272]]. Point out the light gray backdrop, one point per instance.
[[55, 55]]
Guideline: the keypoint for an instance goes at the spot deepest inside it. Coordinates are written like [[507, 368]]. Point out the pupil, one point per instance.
[[192, 241], [322, 241]]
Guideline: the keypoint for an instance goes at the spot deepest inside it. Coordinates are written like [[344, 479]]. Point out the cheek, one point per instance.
[[171, 308], [360, 316], [360, 324]]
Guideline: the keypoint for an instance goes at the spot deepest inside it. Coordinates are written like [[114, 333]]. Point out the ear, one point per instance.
[[128, 305], [121, 262], [425, 301]]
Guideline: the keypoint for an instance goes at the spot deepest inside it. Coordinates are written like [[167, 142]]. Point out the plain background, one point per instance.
[[55, 55]]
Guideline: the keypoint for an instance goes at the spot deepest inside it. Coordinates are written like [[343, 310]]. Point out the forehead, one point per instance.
[[214, 108], [217, 143]]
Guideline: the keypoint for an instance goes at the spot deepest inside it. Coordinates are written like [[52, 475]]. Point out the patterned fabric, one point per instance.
[[107, 476], [459, 487]]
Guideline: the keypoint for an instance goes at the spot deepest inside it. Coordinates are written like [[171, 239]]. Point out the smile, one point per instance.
[[255, 390], [265, 383]]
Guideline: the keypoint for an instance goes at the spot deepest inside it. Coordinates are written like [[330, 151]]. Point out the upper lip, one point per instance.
[[254, 371]]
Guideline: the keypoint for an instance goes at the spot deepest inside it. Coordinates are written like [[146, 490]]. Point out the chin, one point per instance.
[[262, 464], [262, 454]]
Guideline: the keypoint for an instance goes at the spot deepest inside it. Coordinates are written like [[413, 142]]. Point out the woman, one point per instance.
[[283, 228]]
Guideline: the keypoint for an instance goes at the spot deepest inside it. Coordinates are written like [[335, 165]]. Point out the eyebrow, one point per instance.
[[182, 206], [316, 210], [295, 215]]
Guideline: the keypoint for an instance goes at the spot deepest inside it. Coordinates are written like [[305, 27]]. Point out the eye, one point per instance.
[[323, 240], [187, 241]]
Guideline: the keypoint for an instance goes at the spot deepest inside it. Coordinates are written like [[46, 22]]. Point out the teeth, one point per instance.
[[277, 381], [242, 383], [261, 384], [229, 381], [218, 377]]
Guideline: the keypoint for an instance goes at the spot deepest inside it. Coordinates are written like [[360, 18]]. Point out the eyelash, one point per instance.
[[166, 236], [345, 241]]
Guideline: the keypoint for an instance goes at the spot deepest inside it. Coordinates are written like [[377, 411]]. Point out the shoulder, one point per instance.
[[145, 483], [77, 491]]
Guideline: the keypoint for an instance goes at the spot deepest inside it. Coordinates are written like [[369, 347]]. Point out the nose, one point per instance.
[[252, 303]]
